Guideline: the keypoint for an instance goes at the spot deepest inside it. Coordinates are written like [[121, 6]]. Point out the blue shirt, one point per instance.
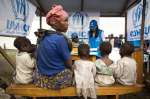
[[52, 53], [95, 42], [136, 43]]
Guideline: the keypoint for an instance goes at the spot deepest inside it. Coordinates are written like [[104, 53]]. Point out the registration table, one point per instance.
[[75, 55]]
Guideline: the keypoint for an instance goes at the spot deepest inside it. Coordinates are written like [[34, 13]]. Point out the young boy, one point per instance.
[[85, 71], [125, 70], [25, 60]]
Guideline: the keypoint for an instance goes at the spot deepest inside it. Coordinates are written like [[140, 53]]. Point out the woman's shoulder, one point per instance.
[[55, 35]]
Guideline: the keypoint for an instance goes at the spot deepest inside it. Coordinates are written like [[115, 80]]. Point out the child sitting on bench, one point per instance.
[[104, 72], [125, 69], [85, 71], [25, 60]]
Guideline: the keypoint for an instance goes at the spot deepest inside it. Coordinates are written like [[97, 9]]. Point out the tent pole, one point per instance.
[[40, 21], [140, 68], [9, 60], [82, 5], [125, 26], [143, 24]]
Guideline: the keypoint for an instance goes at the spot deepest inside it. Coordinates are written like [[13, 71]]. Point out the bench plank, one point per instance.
[[33, 91]]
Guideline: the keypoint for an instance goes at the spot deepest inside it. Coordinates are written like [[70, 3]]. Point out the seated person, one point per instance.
[[25, 60], [85, 71], [125, 69], [54, 61], [104, 75]]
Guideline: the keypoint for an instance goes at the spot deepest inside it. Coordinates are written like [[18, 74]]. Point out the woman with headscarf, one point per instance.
[[53, 55], [96, 36]]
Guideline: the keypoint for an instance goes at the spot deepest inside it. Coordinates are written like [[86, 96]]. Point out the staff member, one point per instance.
[[96, 36]]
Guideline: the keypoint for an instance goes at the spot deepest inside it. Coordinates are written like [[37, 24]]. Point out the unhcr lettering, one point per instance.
[[17, 26], [20, 9]]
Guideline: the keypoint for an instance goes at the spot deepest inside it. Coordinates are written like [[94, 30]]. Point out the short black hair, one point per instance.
[[83, 50], [23, 44], [105, 48], [126, 49]]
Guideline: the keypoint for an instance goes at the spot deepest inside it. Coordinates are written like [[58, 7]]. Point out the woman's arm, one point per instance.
[[64, 52], [68, 63]]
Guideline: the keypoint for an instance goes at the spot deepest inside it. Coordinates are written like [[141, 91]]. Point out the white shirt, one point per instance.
[[84, 77], [125, 71], [24, 67], [114, 55]]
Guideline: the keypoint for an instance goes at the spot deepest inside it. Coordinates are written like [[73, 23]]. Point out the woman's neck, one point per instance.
[[94, 33]]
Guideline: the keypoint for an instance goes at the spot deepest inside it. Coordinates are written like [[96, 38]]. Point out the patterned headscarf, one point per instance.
[[56, 14]]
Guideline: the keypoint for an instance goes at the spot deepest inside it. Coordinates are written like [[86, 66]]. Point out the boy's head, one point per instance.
[[126, 49], [83, 50], [105, 48], [22, 44]]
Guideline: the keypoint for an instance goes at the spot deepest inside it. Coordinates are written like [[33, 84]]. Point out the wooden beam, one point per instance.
[[41, 8], [142, 39], [137, 55], [124, 8], [132, 3], [129, 4], [125, 26], [33, 91], [82, 5], [40, 21], [143, 24]]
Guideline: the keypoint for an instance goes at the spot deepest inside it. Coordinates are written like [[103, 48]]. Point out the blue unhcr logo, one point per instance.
[[20, 9], [137, 15]]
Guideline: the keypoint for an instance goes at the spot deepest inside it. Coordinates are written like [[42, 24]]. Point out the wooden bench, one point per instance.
[[33, 91]]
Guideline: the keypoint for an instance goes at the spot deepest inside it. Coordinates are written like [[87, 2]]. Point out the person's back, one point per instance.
[[125, 73], [104, 76], [53, 56], [24, 68], [125, 69], [104, 72], [25, 60], [85, 71], [49, 62]]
